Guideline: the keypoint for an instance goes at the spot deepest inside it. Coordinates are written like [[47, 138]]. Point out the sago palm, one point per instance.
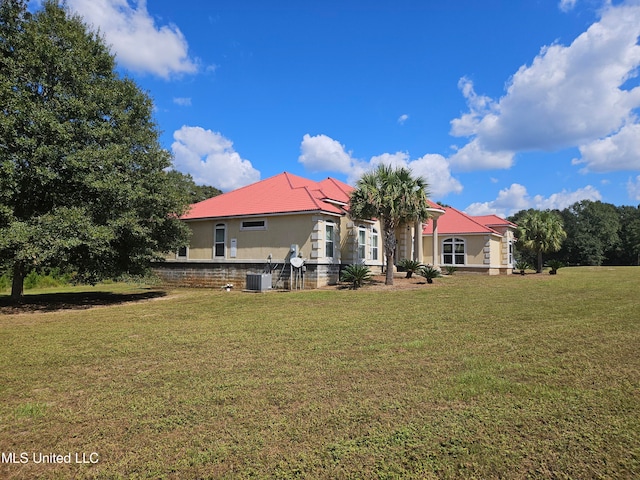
[[409, 266], [356, 275]]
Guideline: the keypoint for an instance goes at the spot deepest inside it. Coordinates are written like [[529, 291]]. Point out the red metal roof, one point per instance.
[[494, 221], [455, 222], [283, 193]]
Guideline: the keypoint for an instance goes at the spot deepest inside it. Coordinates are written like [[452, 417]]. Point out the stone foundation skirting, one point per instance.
[[217, 275]]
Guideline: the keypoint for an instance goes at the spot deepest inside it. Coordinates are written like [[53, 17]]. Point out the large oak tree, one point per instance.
[[83, 179]]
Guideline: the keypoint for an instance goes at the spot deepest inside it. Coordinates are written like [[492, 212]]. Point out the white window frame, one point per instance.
[[375, 238], [362, 243], [329, 241], [454, 241], [223, 227], [510, 257], [186, 253]]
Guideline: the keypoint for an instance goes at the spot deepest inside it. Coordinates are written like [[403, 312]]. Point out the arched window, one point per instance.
[[453, 251], [219, 240]]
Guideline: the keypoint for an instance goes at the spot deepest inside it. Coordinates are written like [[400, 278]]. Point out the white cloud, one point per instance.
[[479, 107], [515, 198], [473, 156], [564, 199], [139, 44], [434, 169], [633, 188], [569, 96], [509, 201], [567, 5], [322, 153], [403, 118], [620, 151], [395, 160], [182, 101], [210, 159]]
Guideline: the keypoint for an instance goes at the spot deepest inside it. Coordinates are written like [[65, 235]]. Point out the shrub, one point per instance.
[[522, 266], [409, 266], [5, 282], [356, 275], [554, 265], [53, 277], [430, 273], [450, 269]]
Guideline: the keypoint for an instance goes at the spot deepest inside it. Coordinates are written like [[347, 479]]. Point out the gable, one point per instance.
[[455, 222]]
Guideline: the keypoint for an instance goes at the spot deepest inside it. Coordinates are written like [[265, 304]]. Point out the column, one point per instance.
[[417, 242], [436, 251]]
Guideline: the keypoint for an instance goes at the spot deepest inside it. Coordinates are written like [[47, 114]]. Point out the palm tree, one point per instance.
[[541, 232], [395, 197]]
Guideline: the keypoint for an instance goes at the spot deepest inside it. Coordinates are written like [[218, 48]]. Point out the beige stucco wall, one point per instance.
[[427, 250], [281, 232], [349, 243], [496, 251], [307, 231], [474, 248], [482, 251], [201, 243]]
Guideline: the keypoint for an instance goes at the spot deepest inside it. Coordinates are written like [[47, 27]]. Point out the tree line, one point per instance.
[[585, 233]]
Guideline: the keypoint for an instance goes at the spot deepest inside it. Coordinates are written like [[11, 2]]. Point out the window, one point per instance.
[[510, 260], [182, 252], [219, 240], [374, 244], [329, 234], [253, 225], [362, 243], [453, 251]]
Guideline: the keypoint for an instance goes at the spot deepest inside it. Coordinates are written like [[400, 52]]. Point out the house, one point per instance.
[[482, 244], [261, 227], [299, 231]]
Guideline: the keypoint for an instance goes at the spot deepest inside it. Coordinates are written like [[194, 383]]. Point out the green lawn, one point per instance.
[[471, 377]]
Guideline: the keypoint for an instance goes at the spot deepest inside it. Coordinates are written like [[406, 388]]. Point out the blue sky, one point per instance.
[[500, 104]]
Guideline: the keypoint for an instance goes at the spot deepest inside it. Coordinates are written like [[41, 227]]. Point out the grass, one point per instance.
[[531, 376]]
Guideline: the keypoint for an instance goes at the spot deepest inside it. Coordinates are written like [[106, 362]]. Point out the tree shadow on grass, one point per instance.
[[50, 302]]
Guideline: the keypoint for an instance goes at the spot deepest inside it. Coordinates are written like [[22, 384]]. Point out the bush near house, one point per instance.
[[356, 275], [450, 269], [429, 273], [409, 266]]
